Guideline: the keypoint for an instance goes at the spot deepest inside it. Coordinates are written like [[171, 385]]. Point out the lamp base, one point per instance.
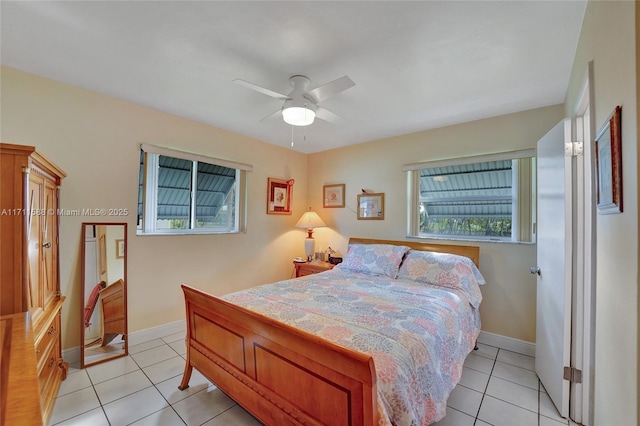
[[309, 248]]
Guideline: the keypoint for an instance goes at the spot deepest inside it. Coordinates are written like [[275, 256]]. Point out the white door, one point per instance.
[[553, 316]]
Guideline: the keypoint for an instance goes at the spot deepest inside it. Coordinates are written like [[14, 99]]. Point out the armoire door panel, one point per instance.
[[34, 238], [48, 247]]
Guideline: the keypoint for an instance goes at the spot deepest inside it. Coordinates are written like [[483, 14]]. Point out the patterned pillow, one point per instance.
[[444, 270], [374, 259]]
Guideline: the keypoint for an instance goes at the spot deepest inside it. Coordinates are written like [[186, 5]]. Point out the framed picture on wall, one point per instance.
[[120, 249], [333, 195], [608, 150], [371, 206], [279, 194]]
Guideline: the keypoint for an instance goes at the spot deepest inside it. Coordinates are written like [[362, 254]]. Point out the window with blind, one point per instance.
[[185, 193], [475, 198]]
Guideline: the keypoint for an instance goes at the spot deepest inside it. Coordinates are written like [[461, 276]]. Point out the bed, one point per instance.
[[380, 339]]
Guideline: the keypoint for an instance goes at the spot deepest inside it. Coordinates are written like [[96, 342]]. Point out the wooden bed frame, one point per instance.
[[113, 316], [282, 375]]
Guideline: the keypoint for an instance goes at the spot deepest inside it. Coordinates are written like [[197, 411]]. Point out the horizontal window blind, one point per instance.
[[525, 153], [169, 152]]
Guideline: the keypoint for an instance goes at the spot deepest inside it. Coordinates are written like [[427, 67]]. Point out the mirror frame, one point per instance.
[[125, 336]]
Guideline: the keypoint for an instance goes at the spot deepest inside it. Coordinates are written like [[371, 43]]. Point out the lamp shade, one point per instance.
[[310, 220]]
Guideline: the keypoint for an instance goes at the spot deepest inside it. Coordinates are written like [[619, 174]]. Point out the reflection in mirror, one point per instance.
[[104, 292]]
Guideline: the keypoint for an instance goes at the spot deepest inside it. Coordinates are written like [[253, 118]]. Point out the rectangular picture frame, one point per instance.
[[608, 153], [279, 195], [333, 196], [371, 206], [120, 249]]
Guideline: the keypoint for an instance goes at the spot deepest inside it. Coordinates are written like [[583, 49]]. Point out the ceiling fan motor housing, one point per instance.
[[299, 83]]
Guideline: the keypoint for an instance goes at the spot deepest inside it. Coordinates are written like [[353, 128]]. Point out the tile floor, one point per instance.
[[498, 387]]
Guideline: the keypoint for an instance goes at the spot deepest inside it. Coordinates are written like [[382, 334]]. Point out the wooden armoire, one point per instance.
[[29, 259]]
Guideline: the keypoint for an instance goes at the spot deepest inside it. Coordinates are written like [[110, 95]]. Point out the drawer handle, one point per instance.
[[53, 361], [47, 245], [52, 330]]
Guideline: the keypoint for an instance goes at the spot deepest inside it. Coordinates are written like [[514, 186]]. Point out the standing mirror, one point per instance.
[[104, 292]]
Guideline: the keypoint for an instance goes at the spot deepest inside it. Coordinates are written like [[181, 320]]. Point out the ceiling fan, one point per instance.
[[300, 106]]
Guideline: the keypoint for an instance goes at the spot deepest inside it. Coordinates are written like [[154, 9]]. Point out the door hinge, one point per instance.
[[572, 374], [573, 149]]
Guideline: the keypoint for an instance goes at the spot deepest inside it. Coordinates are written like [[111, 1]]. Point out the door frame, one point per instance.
[[583, 287]]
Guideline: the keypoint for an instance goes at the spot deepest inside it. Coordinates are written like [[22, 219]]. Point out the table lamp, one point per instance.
[[310, 220]]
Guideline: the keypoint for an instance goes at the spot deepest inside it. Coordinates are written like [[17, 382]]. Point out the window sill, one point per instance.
[[470, 240], [164, 234]]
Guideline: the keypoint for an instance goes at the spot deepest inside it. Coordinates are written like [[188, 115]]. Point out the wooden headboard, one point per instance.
[[472, 252]]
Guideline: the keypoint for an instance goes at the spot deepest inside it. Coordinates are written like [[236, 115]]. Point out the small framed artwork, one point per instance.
[[279, 194], [608, 150], [333, 195], [119, 249], [371, 206]]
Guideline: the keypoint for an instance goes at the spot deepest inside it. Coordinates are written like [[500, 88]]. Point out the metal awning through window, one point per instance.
[[213, 184], [468, 191]]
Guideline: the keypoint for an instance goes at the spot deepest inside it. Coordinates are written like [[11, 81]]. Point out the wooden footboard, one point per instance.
[[113, 315], [282, 375]]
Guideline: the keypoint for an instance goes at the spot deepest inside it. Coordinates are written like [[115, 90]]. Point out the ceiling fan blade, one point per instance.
[[261, 89], [277, 113], [326, 115], [327, 90]]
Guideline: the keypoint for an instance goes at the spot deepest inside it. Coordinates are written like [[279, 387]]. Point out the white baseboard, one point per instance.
[[72, 355], [153, 333], [508, 343]]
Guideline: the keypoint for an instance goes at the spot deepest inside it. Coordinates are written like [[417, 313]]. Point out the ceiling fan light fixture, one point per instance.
[[298, 116], [298, 113]]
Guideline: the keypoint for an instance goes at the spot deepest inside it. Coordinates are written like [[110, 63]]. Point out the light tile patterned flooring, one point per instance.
[[498, 387]]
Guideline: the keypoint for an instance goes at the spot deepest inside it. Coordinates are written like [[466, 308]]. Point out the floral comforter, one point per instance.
[[418, 334]]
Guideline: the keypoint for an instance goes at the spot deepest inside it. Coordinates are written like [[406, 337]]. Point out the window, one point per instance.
[[184, 193], [489, 197]]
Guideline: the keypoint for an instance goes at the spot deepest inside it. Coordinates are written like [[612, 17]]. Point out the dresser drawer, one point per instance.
[[50, 365], [51, 335]]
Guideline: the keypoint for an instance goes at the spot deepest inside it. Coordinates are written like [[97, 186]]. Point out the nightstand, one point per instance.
[[309, 268]]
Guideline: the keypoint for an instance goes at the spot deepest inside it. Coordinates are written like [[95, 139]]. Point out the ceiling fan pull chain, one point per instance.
[[291, 136]]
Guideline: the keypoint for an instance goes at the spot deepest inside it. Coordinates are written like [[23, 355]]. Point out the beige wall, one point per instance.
[[96, 140], [615, 78], [509, 304]]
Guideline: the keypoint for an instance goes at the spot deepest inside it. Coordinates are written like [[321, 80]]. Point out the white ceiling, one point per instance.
[[417, 65]]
